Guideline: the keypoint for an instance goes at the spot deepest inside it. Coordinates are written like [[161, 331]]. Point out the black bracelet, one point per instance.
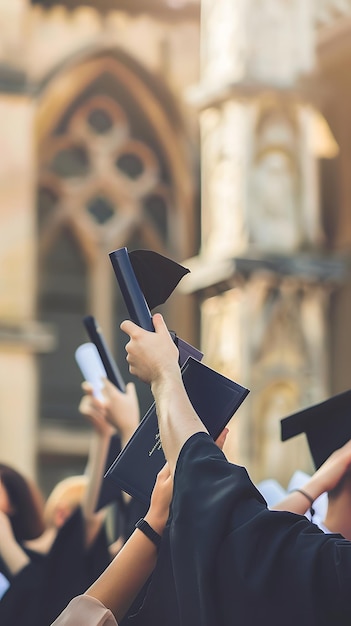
[[309, 498], [145, 527]]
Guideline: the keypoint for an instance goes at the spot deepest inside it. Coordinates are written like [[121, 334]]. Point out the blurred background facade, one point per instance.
[[217, 133]]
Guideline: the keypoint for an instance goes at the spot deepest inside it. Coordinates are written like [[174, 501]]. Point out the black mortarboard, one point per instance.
[[327, 426], [157, 275]]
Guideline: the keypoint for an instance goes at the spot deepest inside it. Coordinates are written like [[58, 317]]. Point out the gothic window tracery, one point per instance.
[[103, 184], [99, 173]]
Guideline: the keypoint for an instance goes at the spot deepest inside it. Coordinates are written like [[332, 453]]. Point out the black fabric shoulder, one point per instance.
[[226, 559], [21, 604], [70, 567]]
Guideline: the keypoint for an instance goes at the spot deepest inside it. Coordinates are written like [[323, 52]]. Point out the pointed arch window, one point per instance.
[[103, 183]]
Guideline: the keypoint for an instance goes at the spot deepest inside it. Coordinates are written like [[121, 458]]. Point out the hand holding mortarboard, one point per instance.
[[213, 397], [146, 280]]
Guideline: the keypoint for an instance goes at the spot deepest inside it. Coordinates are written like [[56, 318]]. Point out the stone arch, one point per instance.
[[115, 168], [57, 91]]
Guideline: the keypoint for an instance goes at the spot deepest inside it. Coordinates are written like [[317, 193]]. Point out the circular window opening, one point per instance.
[[100, 121], [71, 162], [101, 209], [131, 165]]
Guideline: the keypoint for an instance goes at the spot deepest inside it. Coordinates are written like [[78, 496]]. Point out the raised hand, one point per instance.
[[94, 410], [121, 409], [151, 355]]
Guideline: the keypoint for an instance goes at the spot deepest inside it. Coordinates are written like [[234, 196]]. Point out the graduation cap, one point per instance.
[[146, 279], [327, 426], [157, 275]]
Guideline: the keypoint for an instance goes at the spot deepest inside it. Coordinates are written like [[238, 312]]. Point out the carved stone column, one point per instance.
[[261, 277]]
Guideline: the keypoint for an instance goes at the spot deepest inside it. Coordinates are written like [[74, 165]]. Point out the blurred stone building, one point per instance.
[[218, 135]]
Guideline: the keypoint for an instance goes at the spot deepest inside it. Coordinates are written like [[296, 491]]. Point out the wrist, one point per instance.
[[308, 499], [145, 527], [314, 488], [104, 431], [157, 521], [167, 379]]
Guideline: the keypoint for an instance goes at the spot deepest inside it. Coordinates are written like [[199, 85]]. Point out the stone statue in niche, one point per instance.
[[273, 203], [281, 339], [288, 322], [282, 365], [274, 214]]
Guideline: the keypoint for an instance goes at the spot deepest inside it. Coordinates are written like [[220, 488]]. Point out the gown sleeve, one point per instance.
[[226, 559], [85, 611]]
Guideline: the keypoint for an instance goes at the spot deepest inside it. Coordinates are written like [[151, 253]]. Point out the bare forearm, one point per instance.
[[176, 417], [13, 556], [121, 582], [325, 479], [153, 357], [95, 470], [297, 501]]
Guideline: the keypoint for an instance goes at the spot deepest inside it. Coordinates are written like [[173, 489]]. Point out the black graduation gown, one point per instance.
[[70, 567], [126, 513], [21, 602], [226, 560], [40, 592]]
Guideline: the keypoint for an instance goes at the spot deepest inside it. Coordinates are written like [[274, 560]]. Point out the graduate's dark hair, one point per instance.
[[27, 519]]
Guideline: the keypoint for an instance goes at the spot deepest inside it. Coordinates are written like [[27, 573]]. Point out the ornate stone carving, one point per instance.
[[288, 356], [274, 194], [101, 178]]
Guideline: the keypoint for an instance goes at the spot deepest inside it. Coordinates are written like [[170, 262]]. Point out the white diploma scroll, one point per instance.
[[91, 366]]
